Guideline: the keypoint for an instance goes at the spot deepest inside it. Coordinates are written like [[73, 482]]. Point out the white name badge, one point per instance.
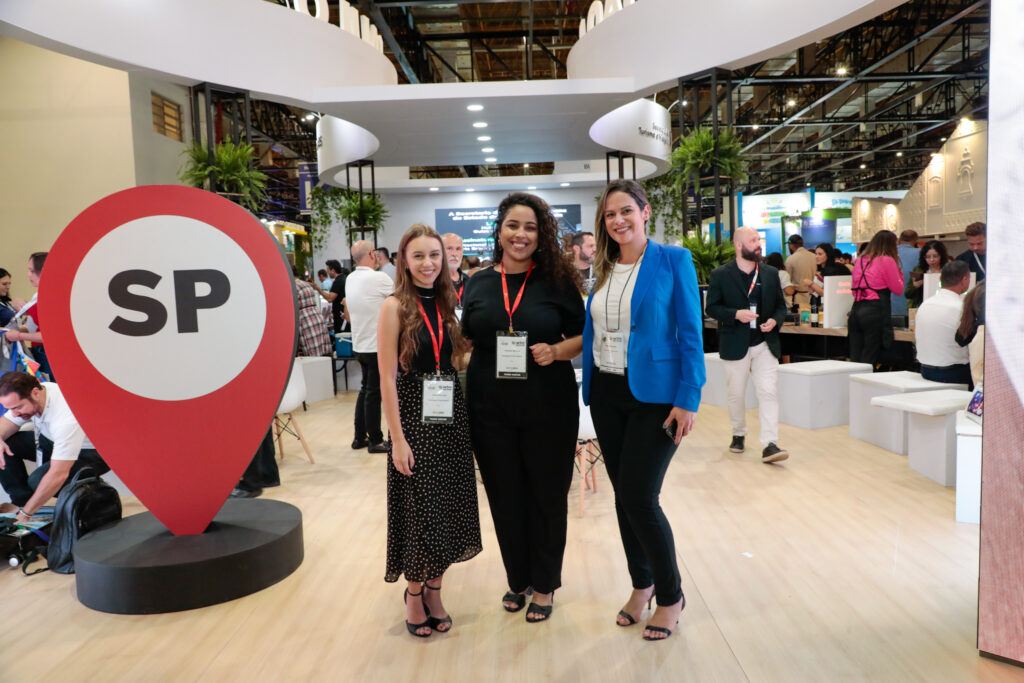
[[438, 400], [753, 323], [511, 356], [613, 353], [458, 313]]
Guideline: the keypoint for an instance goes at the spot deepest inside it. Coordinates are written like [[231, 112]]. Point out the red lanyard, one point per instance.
[[519, 297], [458, 292], [435, 340], [753, 282]]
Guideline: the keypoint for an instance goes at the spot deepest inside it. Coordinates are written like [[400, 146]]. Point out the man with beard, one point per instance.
[[746, 299], [453, 254], [583, 250]]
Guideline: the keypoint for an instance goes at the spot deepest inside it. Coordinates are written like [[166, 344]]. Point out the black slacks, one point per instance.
[[367, 417], [637, 452], [949, 374], [15, 478], [526, 450], [866, 330], [262, 469]]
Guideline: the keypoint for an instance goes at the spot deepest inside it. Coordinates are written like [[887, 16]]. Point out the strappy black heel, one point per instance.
[[518, 598], [435, 622], [629, 617], [413, 628], [544, 611], [666, 631]]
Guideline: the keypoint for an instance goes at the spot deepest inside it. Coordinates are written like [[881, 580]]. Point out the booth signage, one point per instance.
[[170, 316]]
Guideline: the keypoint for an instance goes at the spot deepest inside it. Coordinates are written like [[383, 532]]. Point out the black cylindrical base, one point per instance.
[[137, 566]]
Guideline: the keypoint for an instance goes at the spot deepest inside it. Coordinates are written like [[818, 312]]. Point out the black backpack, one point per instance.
[[85, 504]]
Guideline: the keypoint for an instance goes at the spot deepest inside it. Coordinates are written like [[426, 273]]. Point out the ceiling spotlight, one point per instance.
[[480, 124], [487, 150], [564, 184], [790, 103], [685, 103], [526, 165], [484, 138], [475, 107], [434, 189], [756, 126], [840, 71], [470, 189], [899, 154], [808, 184], [943, 139], [310, 117], [532, 187], [491, 160], [863, 165]]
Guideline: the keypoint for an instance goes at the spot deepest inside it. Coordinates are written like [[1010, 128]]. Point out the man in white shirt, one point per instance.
[[453, 254], [383, 260], [65, 447], [941, 358], [365, 292]]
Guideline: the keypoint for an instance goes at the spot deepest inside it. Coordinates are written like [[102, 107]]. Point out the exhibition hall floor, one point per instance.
[[839, 564]]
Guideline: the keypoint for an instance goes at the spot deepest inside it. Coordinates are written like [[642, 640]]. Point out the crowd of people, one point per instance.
[[470, 361]]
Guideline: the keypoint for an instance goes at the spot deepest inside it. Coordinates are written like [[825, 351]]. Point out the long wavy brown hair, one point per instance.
[[607, 248], [551, 262], [405, 291], [882, 244]]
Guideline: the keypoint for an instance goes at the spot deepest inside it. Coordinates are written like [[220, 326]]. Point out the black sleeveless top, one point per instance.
[[424, 362]]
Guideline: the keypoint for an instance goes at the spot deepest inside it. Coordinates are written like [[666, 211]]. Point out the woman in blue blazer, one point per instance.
[[643, 369]]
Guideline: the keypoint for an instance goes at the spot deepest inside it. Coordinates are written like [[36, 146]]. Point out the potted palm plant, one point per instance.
[[230, 174], [701, 155]]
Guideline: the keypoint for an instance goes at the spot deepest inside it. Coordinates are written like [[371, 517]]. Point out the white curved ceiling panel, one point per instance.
[[658, 41]]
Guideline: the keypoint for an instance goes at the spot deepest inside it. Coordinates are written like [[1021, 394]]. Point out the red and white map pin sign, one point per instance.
[[170, 324]]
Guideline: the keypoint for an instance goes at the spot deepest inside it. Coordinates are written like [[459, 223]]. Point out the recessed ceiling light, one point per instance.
[[808, 184], [480, 124], [475, 107], [840, 71], [863, 165], [790, 103], [756, 126], [470, 189], [491, 160], [943, 139], [685, 103], [532, 187], [487, 150], [484, 138], [310, 117], [564, 184], [526, 166], [434, 189], [899, 154]]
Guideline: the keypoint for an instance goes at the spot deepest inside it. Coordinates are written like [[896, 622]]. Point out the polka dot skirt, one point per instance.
[[433, 519]]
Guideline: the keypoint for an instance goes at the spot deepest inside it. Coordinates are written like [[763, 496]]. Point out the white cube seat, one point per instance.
[[931, 429], [968, 469], [816, 394], [885, 428]]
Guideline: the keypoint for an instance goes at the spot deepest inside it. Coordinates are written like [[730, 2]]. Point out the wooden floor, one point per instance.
[[840, 564]]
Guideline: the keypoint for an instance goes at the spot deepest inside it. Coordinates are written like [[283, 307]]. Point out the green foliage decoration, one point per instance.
[[329, 204], [707, 255], [230, 173], [666, 206], [699, 153]]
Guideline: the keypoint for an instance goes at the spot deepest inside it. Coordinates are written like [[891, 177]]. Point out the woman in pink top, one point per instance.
[[876, 274]]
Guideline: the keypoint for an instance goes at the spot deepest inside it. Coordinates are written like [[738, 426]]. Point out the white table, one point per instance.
[[715, 391], [885, 428], [931, 432], [968, 469], [816, 394]]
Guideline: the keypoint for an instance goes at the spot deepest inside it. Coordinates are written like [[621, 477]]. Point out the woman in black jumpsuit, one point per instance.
[[524, 429]]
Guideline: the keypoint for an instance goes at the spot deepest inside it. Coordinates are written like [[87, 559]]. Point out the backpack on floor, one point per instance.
[[86, 504]]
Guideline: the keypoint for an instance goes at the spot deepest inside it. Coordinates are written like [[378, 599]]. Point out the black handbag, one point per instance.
[[84, 505]]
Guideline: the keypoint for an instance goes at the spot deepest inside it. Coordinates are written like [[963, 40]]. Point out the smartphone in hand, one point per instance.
[[670, 430]]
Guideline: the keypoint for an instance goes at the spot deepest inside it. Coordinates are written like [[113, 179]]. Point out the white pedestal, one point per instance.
[[317, 373], [931, 433], [715, 391], [816, 394], [968, 469], [883, 427]]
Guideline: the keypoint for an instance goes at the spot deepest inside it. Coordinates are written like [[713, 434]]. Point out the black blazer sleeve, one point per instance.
[[716, 305]]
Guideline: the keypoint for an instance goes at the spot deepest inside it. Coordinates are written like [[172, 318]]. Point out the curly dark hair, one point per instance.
[[939, 248], [553, 264]]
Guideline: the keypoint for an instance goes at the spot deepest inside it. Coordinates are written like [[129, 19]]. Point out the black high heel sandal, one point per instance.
[[629, 617], [518, 598], [435, 622], [661, 629], [413, 628], [544, 611]]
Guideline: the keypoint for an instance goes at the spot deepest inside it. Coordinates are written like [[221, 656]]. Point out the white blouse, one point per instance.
[[610, 307]]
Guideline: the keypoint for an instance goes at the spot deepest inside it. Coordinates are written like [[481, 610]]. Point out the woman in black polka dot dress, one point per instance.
[[433, 519]]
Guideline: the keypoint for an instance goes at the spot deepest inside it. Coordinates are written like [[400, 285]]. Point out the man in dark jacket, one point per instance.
[[746, 299]]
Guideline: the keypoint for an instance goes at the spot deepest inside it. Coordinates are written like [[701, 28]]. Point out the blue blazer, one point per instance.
[[665, 356]]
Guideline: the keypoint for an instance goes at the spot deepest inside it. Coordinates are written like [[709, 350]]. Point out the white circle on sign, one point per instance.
[[167, 365]]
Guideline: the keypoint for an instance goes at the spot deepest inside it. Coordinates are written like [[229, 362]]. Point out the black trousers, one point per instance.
[[367, 416], [262, 470], [15, 478], [866, 330], [526, 464], [949, 374], [636, 454]]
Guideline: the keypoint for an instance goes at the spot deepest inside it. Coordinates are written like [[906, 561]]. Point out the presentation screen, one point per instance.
[[476, 226]]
